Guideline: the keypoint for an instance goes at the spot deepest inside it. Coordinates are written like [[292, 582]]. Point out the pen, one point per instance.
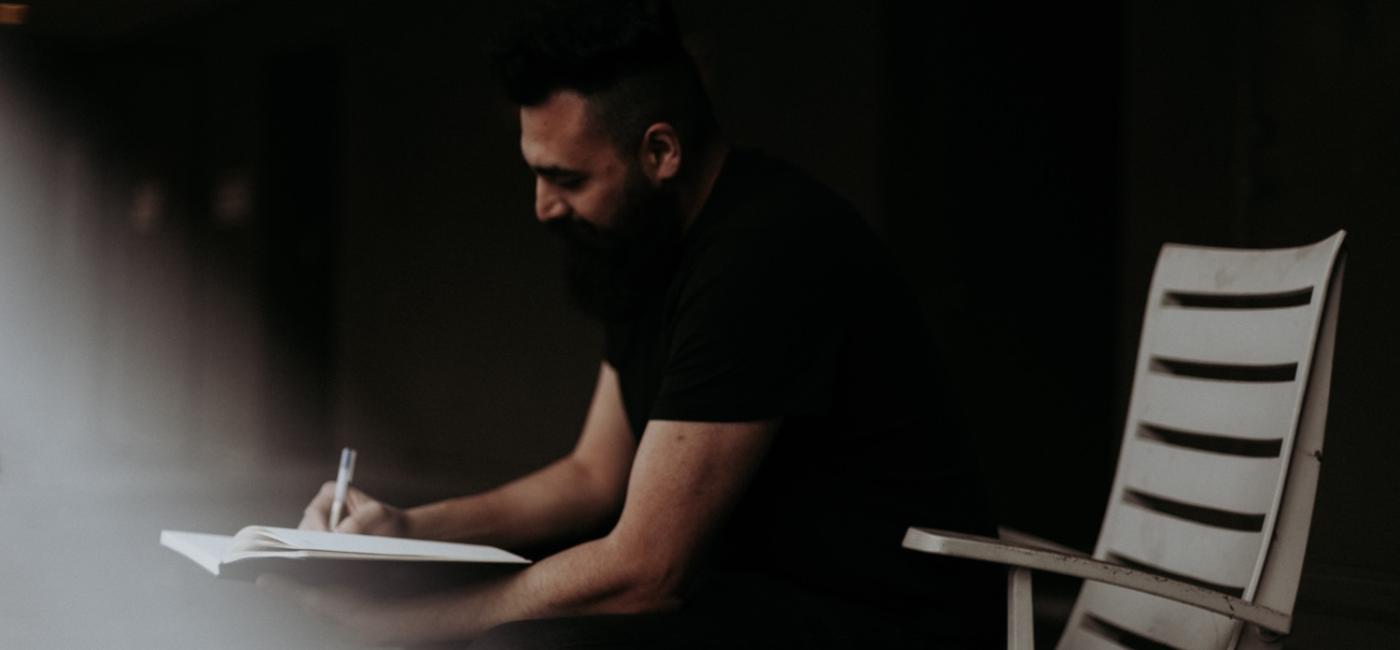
[[342, 481]]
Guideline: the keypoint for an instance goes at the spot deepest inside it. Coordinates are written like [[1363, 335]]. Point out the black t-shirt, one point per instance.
[[785, 304]]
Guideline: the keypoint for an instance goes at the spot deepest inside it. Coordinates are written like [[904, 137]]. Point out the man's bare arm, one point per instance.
[[568, 498], [686, 478]]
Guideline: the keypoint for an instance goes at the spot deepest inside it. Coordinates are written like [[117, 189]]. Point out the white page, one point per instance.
[[206, 550], [292, 539]]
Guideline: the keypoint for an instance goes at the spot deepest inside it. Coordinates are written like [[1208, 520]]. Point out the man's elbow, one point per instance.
[[651, 584], [655, 591]]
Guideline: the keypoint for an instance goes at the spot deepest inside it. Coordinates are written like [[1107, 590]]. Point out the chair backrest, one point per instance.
[[1221, 450]]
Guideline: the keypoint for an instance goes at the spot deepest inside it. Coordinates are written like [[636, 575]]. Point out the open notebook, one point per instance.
[[257, 549]]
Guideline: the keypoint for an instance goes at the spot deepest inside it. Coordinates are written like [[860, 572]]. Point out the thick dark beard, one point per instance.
[[612, 274]]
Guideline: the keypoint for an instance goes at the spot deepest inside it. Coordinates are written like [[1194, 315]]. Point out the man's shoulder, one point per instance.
[[769, 208], [773, 193]]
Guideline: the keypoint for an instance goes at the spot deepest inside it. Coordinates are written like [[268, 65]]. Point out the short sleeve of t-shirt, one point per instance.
[[754, 334]]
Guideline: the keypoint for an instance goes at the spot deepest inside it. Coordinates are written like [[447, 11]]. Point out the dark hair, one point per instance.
[[625, 56]]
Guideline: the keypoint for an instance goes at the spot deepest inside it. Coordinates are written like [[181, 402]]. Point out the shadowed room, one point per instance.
[[237, 236]]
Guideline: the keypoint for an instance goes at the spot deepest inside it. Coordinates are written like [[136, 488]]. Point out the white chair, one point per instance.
[[1202, 543]]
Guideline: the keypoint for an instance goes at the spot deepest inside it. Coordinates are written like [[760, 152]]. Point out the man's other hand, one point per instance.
[[366, 620], [362, 514]]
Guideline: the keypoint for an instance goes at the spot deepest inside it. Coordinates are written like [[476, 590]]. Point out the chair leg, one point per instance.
[[1020, 624]]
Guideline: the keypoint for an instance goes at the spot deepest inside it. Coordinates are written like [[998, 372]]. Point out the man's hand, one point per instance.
[[686, 479], [363, 514], [366, 619]]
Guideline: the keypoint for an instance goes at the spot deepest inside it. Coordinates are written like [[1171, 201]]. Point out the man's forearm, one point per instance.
[[558, 502], [596, 577]]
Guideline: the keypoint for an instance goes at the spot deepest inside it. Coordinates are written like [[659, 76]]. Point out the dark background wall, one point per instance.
[[384, 285]]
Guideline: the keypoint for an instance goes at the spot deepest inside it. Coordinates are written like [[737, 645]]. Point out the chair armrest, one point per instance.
[[1023, 538], [973, 547]]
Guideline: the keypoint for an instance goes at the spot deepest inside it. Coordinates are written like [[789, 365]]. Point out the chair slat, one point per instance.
[[1253, 410], [1081, 639], [1231, 336], [1165, 621], [1215, 555], [1216, 270], [1201, 478]]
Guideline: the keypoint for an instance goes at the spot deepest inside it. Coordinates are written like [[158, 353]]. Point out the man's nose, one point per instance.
[[548, 204]]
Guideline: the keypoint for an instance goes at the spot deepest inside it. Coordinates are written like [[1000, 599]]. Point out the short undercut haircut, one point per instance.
[[625, 56]]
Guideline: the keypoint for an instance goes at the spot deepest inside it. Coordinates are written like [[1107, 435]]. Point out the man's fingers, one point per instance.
[[364, 513], [355, 499], [312, 520], [352, 525], [317, 513], [361, 513]]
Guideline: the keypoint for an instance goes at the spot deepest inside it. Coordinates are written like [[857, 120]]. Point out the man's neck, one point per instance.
[[695, 195]]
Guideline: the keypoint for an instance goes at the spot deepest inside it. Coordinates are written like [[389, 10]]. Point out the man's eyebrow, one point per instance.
[[555, 171]]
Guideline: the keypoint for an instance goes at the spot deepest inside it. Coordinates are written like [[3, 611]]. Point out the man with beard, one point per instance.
[[766, 420]]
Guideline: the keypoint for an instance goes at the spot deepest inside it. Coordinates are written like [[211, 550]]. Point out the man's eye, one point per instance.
[[569, 182]]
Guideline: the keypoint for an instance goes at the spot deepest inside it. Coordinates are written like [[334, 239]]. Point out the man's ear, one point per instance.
[[661, 153]]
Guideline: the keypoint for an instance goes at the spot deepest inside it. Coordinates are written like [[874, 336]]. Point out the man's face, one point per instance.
[[622, 234], [579, 174]]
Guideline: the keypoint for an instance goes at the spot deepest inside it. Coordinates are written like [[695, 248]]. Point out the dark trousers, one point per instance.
[[729, 611]]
